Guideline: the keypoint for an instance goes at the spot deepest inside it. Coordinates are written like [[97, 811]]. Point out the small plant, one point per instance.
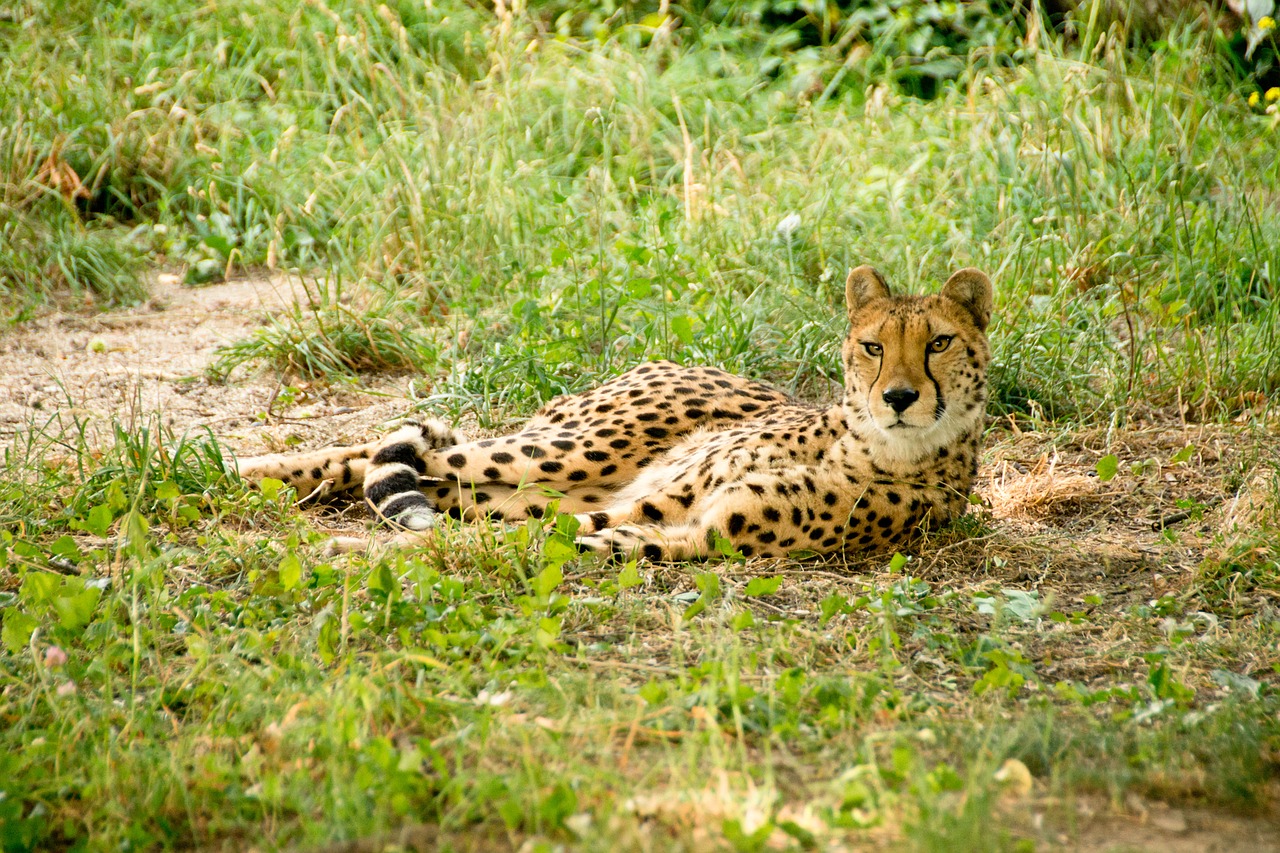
[[94, 266], [328, 338]]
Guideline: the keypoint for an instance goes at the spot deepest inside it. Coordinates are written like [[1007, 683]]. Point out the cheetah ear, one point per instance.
[[863, 285], [972, 289]]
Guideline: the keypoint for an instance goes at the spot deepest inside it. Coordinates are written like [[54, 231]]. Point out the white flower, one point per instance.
[[787, 226], [493, 700]]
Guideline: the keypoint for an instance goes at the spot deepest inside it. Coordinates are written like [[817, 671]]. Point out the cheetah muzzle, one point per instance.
[[664, 459]]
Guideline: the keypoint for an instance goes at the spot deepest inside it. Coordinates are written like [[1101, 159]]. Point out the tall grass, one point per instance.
[[579, 205]]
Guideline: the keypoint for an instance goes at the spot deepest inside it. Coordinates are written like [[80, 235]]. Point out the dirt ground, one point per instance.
[[136, 362], [1058, 527]]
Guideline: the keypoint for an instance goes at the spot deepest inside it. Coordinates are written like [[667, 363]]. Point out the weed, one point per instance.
[[329, 337]]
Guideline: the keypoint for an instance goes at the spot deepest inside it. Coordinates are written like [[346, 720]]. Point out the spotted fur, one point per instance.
[[664, 459]]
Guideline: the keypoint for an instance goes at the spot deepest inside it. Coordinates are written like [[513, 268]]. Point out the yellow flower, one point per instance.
[[1266, 24], [1273, 94], [1253, 99]]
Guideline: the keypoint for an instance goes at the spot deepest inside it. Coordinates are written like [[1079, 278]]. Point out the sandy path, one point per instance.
[[133, 364]]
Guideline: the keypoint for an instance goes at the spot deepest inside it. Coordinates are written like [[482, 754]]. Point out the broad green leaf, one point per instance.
[[558, 805], [167, 490], [999, 678], [1107, 467], [699, 605], [39, 588], [382, 580], [17, 629], [567, 525], [725, 548], [327, 639], [218, 243], [807, 840], [548, 629], [653, 692], [757, 587], [897, 562], [831, 605], [99, 520], [136, 528], [682, 328], [1144, 467], [1183, 455], [709, 585], [25, 549], [742, 840], [629, 576], [115, 498], [75, 610], [290, 571], [66, 548], [270, 487], [556, 551], [547, 581]]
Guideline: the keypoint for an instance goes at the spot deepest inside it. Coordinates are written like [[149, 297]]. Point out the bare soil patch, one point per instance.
[[152, 359]]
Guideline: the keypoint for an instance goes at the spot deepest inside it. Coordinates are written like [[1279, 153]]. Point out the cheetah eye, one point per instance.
[[873, 350], [940, 343]]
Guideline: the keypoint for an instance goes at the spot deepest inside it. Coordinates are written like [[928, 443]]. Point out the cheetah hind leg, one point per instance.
[[374, 546], [392, 486], [386, 471], [316, 472], [624, 542], [393, 480], [648, 541]]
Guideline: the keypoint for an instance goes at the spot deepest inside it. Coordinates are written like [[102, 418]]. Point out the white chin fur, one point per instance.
[[910, 444]]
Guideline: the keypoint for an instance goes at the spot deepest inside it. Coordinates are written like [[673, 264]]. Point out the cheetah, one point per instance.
[[660, 462]]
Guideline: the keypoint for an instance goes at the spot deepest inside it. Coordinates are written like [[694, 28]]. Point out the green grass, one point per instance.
[[223, 685], [521, 208], [322, 337], [537, 192]]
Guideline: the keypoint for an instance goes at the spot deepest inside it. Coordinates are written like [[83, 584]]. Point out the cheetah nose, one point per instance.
[[899, 399]]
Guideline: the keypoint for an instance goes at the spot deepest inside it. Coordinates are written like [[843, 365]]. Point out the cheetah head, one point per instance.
[[915, 366]]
